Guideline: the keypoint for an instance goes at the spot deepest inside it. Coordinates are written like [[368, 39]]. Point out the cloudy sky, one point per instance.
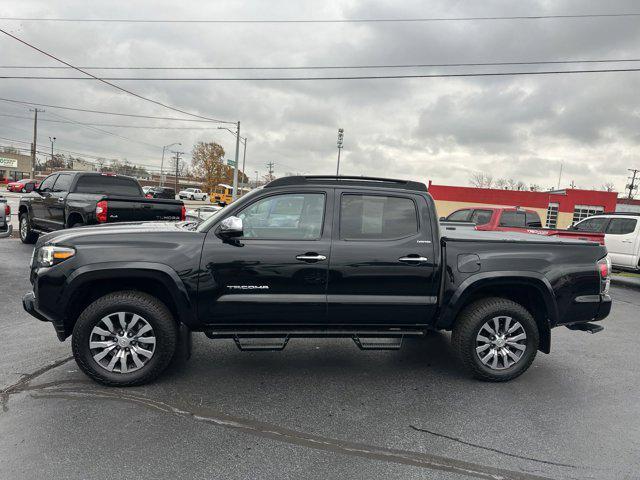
[[440, 129]]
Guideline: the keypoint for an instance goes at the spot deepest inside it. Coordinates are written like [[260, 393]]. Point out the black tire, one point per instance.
[[76, 224], [468, 325], [26, 234], [165, 329]]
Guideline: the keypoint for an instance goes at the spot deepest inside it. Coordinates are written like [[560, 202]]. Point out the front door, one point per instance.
[[382, 260], [620, 239], [39, 203], [276, 272]]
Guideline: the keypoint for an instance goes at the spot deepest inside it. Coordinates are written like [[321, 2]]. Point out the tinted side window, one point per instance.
[[63, 183], [296, 216], [108, 185], [592, 225], [621, 226], [47, 183], [459, 216], [512, 219], [369, 217], [533, 220], [481, 217]]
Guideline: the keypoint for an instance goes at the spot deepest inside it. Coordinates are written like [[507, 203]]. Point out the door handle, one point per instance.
[[311, 257], [413, 260]]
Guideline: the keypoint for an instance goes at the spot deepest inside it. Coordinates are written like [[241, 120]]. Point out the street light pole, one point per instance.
[[340, 137], [256, 172], [235, 169], [244, 159], [52, 140], [162, 162]]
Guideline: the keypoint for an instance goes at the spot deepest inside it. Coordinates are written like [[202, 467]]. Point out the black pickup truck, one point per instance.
[[351, 257], [73, 199]]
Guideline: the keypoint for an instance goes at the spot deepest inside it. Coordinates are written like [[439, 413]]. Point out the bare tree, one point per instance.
[[608, 187], [481, 180], [501, 183]]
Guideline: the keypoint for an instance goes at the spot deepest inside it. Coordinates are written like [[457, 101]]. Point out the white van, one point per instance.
[[621, 236]]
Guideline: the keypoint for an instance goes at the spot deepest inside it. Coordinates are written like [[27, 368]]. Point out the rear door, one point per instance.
[[56, 201], [620, 238], [276, 272], [382, 260]]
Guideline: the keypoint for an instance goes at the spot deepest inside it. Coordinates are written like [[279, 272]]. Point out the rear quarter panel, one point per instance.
[[560, 272]]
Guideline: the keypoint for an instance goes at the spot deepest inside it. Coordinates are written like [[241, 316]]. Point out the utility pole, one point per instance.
[[234, 195], [35, 140], [270, 166], [560, 176], [632, 186], [162, 161], [177, 159], [256, 172], [340, 138]]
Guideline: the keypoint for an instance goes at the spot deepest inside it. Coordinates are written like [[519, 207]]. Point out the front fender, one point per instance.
[[459, 297], [111, 271]]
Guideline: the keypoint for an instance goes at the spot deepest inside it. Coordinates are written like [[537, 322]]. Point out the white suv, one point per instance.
[[621, 236], [192, 194]]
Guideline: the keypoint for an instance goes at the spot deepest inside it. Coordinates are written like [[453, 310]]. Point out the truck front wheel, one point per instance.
[[496, 339], [124, 338]]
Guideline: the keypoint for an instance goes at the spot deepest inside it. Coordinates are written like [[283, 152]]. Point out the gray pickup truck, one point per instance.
[[5, 218]]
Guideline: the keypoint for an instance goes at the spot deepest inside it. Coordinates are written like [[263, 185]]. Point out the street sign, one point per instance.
[[8, 162], [231, 162]]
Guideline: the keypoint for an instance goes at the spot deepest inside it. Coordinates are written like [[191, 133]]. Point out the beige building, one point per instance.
[[14, 166]]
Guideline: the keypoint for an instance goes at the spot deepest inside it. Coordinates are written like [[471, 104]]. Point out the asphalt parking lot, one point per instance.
[[319, 409]]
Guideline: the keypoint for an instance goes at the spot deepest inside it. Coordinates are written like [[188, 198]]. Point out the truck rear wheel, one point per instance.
[[496, 339], [124, 339]]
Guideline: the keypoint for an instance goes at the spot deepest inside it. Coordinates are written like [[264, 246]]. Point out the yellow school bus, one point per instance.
[[223, 193]]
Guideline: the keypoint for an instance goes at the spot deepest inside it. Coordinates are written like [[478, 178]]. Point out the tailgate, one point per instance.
[[138, 209]]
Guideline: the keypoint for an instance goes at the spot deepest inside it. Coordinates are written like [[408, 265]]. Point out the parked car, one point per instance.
[[515, 219], [364, 259], [161, 192], [5, 218], [19, 185], [621, 236], [202, 213], [192, 194], [73, 199]]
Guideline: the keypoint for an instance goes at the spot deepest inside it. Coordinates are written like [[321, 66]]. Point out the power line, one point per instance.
[[101, 112], [335, 67], [113, 125], [336, 20], [106, 82], [354, 77]]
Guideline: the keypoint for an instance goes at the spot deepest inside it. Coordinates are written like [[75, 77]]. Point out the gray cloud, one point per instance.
[[439, 129]]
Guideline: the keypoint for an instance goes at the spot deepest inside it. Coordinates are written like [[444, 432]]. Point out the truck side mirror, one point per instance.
[[442, 219], [29, 187], [230, 227]]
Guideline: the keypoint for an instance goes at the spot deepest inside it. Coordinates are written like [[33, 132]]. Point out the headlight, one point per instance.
[[51, 255]]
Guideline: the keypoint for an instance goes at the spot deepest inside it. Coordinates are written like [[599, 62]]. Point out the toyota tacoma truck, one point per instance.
[[73, 199], [355, 257]]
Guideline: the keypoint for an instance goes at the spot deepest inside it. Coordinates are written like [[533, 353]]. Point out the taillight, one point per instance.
[[148, 195], [101, 211], [604, 269], [7, 210], [183, 213]]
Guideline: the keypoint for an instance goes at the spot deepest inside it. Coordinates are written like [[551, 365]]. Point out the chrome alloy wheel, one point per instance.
[[122, 342], [23, 228], [501, 343]]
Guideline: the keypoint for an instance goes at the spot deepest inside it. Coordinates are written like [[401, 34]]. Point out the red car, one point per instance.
[[18, 186], [515, 219]]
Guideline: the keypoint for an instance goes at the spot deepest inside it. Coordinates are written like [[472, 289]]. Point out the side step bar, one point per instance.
[[276, 340], [586, 327]]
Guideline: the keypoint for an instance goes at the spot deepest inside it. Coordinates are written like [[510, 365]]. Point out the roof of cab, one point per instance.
[[344, 180]]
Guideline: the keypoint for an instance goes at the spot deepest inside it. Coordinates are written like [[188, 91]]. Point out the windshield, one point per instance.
[[204, 226]]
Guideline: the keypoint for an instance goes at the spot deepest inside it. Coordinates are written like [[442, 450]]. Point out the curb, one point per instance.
[[626, 281]]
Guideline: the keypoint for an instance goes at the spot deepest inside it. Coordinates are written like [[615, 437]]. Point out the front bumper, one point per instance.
[[29, 304]]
